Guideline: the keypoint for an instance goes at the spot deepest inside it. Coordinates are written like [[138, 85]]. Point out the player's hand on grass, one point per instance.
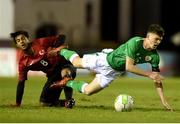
[[167, 106], [169, 109], [15, 105]]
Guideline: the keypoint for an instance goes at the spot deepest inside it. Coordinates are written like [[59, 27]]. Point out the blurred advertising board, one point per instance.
[[8, 63]]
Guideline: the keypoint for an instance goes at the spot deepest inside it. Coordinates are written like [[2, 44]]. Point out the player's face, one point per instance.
[[154, 40], [22, 41]]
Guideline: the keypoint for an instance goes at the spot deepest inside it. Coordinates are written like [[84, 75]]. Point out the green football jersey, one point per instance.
[[133, 48]]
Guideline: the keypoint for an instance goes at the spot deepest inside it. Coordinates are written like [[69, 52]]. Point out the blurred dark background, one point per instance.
[[91, 25]]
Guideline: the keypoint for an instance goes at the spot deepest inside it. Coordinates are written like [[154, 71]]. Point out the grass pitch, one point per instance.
[[96, 108]]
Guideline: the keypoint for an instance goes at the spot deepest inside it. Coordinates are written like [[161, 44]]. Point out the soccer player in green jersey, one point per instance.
[[110, 63]]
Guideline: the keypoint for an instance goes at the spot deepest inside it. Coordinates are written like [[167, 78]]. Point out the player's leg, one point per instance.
[[83, 87], [92, 87], [80, 86], [98, 83], [49, 97], [69, 101], [72, 56], [98, 64], [68, 72], [68, 92]]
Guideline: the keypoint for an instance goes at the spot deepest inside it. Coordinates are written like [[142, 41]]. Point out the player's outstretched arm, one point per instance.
[[54, 51], [59, 43], [156, 77], [159, 88], [134, 69], [19, 93]]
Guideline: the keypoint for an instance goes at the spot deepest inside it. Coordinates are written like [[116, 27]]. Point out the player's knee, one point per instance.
[[89, 93], [65, 71], [77, 62], [69, 71]]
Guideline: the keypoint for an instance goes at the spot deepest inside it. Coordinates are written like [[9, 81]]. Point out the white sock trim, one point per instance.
[[83, 87], [72, 57]]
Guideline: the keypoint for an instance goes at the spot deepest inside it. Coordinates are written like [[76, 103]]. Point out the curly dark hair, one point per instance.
[[15, 34]]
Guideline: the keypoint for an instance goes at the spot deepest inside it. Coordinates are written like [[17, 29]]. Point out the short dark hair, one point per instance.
[[157, 29], [15, 34]]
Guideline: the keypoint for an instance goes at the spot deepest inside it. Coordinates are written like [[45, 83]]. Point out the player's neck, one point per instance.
[[29, 51], [145, 45]]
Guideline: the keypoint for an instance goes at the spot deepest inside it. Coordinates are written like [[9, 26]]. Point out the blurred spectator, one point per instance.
[[46, 29], [175, 39]]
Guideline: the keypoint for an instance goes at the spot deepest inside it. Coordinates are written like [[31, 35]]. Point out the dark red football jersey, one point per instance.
[[39, 61]]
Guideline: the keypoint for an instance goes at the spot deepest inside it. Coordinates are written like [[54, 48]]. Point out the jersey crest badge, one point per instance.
[[41, 52], [148, 58]]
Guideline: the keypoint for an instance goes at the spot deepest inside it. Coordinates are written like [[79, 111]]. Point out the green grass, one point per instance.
[[95, 108]]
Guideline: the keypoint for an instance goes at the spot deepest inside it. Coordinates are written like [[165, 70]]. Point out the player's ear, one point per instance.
[[148, 35]]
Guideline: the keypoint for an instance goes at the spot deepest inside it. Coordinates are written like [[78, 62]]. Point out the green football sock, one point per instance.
[[67, 53], [76, 85]]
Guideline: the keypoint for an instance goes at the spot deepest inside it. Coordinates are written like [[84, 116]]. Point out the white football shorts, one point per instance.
[[97, 63]]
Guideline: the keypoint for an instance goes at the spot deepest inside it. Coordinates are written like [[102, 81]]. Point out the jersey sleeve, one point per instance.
[[22, 72], [155, 63], [131, 48]]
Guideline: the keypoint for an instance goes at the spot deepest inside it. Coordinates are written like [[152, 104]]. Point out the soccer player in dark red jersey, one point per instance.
[[41, 55]]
